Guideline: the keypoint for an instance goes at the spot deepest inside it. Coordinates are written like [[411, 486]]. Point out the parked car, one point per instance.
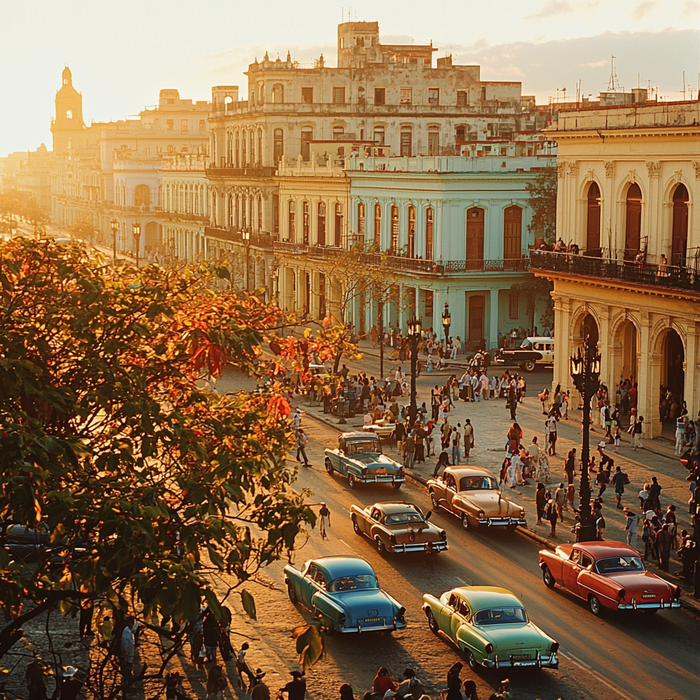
[[382, 429], [24, 542], [472, 494], [534, 351], [490, 627], [398, 527], [343, 592], [607, 575], [359, 458]]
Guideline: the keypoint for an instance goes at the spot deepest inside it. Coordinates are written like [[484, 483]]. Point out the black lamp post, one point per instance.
[[585, 371], [446, 320], [115, 227], [136, 231], [246, 243], [414, 333]]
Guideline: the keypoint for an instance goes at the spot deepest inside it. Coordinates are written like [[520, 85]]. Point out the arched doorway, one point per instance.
[[679, 238], [593, 220], [671, 389], [588, 328], [625, 353], [633, 221]]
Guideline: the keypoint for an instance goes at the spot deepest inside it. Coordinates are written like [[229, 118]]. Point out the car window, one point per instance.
[[549, 347], [450, 481], [364, 447], [353, 583], [311, 572], [376, 515], [614, 565], [453, 602], [586, 560], [409, 517], [473, 483], [575, 556], [320, 579], [463, 609], [500, 616], [539, 346]]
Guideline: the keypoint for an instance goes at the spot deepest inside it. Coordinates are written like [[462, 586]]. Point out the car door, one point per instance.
[[450, 491], [308, 586], [571, 568], [460, 617], [446, 614], [374, 517]]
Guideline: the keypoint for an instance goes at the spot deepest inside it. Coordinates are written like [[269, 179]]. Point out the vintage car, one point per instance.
[[607, 575], [490, 626], [381, 428], [531, 353], [398, 527], [359, 458], [343, 592], [472, 494]]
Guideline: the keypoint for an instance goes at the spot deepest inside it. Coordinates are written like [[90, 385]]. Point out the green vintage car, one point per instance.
[[490, 626], [359, 458]]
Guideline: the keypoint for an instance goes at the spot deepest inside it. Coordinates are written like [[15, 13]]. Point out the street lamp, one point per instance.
[[115, 227], [446, 320], [136, 231], [246, 243], [585, 371], [414, 333]]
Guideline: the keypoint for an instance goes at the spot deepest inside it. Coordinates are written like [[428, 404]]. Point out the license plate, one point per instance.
[[651, 595], [520, 657], [373, 619], [380, 471]]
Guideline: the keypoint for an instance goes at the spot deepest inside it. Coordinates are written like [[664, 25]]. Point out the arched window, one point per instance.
[[361, 220], [231, 220], [394, 229], [321, 224], [379, 135], [244, 150], [679, 238], [260, 213], [411, 242], [305, 223], [278, 146], [512, 233], [142, 196], [251, 136], [377, 224], [338, 230], [633, 222], [429, 229], [290, 221], [307, 135], [475, 238], [593, 220], [237, 155], [260, 147]]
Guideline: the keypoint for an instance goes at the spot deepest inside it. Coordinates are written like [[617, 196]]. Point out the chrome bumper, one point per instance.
[[419, 547], [501, 522], [661, 605], [540, 661], [380, 479], [374, 627]]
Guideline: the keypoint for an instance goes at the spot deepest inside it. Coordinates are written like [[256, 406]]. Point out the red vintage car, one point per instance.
[[607, 575]]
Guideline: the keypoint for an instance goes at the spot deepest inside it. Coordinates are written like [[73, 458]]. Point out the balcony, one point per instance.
[[260, 171], [234, 235], [668, 276], [181, 216]]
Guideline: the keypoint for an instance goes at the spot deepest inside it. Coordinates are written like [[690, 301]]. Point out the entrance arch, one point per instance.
[[672, 378], [626, 349], [679, 237], [588, 327]]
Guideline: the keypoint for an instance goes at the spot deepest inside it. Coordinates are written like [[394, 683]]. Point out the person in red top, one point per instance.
[[383, 682]]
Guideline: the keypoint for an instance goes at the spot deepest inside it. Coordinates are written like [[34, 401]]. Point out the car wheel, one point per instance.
[[547, 577], [471, 660], [434, 500], [356, 526], [352, 481], [380, 545], [292, 593], [528, 366], [329, 467], [465, 521], [432, 622], [397, 484], [594, 604]]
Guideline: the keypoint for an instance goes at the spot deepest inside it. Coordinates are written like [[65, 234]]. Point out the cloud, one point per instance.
[[595, 64], [552, 8], [691, 8], [642, 9]]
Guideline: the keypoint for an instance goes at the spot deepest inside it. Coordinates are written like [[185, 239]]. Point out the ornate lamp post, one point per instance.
[[115, 227], [585, 371], [136, 231], [446, 320], [246, 243], [414, 333]]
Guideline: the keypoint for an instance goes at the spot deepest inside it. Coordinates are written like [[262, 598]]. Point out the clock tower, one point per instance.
[[68, 126]]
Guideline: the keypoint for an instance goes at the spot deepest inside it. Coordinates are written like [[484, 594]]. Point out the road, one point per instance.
[[614, 656]]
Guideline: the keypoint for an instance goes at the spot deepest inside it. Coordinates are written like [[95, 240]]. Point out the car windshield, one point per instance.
[[353, 583], [472, 483], [500, 616], [615, 565], [396, 518], [367, 447]]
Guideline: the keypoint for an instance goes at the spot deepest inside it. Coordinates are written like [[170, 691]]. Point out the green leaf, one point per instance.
[[249, 604], [310, 644]]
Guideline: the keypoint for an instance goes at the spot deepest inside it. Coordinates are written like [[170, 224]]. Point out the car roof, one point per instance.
[[540, 339], [394, 507], [459, 472], [359, 436], [343, 565], [600, 550], [480, 597]]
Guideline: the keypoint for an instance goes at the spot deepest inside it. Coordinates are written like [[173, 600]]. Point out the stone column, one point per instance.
[[494, 295], [562, 342], [648, 369]]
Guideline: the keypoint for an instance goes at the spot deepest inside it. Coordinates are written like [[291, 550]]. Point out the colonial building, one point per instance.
[[628, 179]]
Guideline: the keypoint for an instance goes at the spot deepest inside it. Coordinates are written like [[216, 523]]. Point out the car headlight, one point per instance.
[[482, 514]]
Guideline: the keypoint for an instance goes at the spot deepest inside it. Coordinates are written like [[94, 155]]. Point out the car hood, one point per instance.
[[363, 604], [489, 502], [375, 461], [516, 636]]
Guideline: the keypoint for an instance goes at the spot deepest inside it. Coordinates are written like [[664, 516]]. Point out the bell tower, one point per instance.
[[67, 127]]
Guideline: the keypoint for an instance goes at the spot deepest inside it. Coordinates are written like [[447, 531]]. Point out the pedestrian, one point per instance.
[[680, 435], [551, 513], [631, 526], [570, 465], [87, 608], [127, 647], [468, 438], [512, 401], [69, 687], [688, 554], [456, 438], [544, 397], [552, 425], [637, 433], [216, 683], [302, 442], [296, 688], [409, 451], [242, 667], [570, 494], [616, 438], [540, 501], [410, 686], [400, 435], [454, 683], [600, 523], [383, 682], [664, 541], [443, 461], [324, 521], [560, 501], [654, 493], [602, 479], [35, 676], [212, 634], [346, 692], [259, 691], [470, 691], [619, 480]]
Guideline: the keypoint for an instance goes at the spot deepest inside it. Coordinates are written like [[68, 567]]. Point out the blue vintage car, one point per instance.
[[359, 458], [343, 592]]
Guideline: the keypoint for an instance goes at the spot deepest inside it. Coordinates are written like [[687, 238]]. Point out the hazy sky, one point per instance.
[[122, 53]]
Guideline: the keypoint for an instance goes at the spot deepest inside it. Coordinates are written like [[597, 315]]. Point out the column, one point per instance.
[[605, 348], [562, 344], [649, 366], [493, 319], [401, 311], [691, 390]]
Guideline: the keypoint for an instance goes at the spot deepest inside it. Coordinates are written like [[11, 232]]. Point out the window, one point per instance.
[[461, 133], [406, 141], [244, 150], [377, 224], [278, 146], [633, 223], [361, 219], [338, 95], [394, 229], [305, 223], [429, 223], [290, 221], [475, 238], [483, 93], [275, 213], [184, 125], [338, 132], [338, 225], [278, 94], [321, 224], [379, 135], [307, 135], [679, 233], [434, 96], [513, 306], [260, 147], [142, 196], [307, 95], [321, 297], [433, 140], [406, 96], [169, 124], [411, 247], [379, 96], [462, 98], [593, 219], [512, 233]]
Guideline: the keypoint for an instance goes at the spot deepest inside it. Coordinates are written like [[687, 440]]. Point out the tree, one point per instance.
[[543, 202], [536, 291], [148, 485]]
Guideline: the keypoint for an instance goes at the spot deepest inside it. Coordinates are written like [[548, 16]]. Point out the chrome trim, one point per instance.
[[541, 661], [378, 478], [419, 547], [648, 606], [500, 522]]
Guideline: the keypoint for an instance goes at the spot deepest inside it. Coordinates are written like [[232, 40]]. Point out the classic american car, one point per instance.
[[343, 592], [472, 494], [490, 626], [398, 527], [359, 458], [607, 575], [381, 428], [531, 353]]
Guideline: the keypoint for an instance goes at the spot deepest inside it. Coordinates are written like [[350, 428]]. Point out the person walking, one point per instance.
[[512, 401], [127, 647], [302, 442], [69, 686], [631, 527], [570, 465], [296, 688], [216, 683], [468, 438], [619, 480], [654, 493], [560, 501], [680, 435], [212, 634], [409, 451], [540, 502], [637, 433], [456, 438], [552, 424], [664, 542], [242, 667], [551, 513]]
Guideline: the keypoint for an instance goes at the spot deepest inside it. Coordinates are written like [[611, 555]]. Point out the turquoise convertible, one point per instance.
[[343, 592], [490, 626]]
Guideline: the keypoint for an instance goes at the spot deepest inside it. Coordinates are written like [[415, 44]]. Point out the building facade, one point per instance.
[[628, 179]]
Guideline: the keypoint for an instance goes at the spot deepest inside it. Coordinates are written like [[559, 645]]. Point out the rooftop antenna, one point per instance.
[[613, 82]]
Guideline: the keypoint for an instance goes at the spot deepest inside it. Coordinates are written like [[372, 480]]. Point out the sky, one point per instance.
[[122, 53]]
